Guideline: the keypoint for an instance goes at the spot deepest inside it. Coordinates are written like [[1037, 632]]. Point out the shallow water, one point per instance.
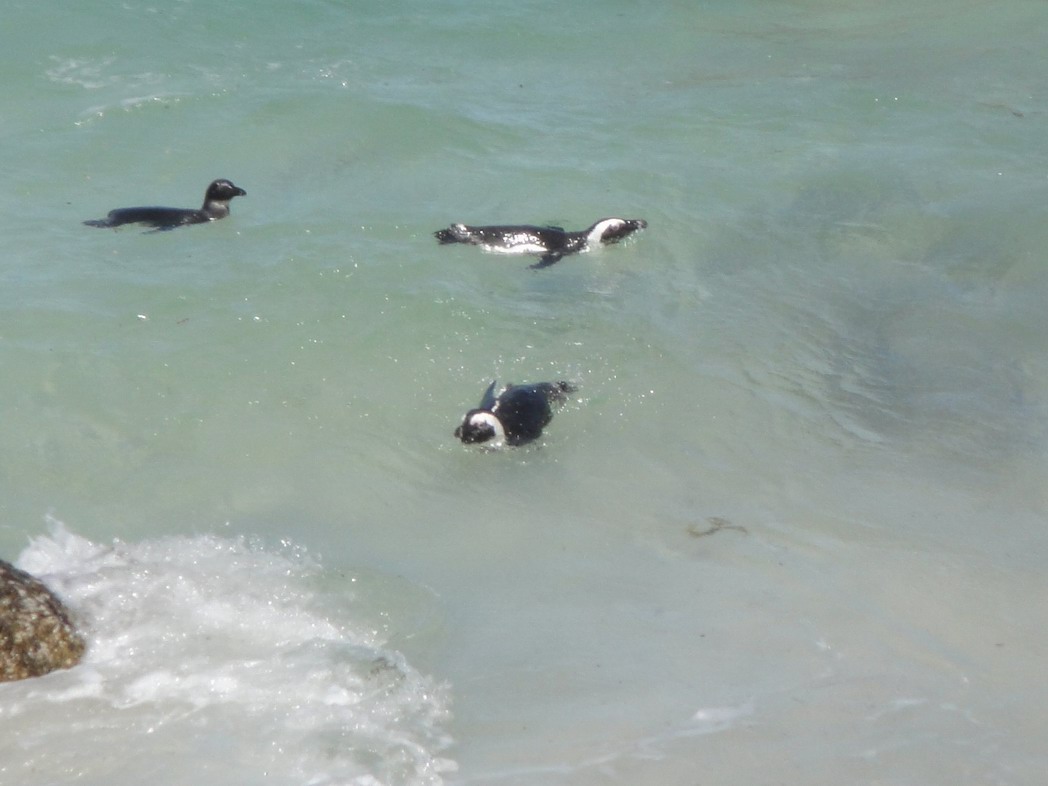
[[790, 528]]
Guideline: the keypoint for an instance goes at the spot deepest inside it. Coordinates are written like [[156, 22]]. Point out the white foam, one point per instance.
[[194, 641], [708, 720]]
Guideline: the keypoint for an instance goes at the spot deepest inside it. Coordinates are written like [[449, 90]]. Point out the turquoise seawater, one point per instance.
[[791, 527]]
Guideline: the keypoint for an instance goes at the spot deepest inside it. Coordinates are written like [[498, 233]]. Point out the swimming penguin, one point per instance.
[[216, 206], [515, 416], [550, 243]]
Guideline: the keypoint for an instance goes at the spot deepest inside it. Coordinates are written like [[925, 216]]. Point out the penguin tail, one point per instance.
[[456, 233], [560, 390]]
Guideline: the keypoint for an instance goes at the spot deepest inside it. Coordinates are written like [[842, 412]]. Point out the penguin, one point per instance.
[[216, 206], [515, 416], [549, 243]]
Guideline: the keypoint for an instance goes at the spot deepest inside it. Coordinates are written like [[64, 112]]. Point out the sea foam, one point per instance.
[[219, 656]]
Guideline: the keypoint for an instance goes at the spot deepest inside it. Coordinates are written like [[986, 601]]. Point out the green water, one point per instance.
[[831, 336]]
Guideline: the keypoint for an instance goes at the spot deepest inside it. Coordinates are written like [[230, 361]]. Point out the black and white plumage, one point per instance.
[[549, 243], [216, 206], [515, 416]]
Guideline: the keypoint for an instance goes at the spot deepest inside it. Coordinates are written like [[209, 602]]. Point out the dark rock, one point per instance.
[[37, 634]]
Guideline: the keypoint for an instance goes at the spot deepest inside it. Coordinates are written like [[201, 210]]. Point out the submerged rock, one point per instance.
[[37, 634]]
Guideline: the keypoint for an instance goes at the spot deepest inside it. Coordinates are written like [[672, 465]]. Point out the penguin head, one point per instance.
[[223, 191], [479, 426], [612, 230]]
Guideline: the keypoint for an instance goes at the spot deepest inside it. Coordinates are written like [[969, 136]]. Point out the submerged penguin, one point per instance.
[[515, 416], [216, 206], [549, 243]]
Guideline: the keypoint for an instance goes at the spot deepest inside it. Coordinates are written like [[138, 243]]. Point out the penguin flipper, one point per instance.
[[488, 402], [547, 259]]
